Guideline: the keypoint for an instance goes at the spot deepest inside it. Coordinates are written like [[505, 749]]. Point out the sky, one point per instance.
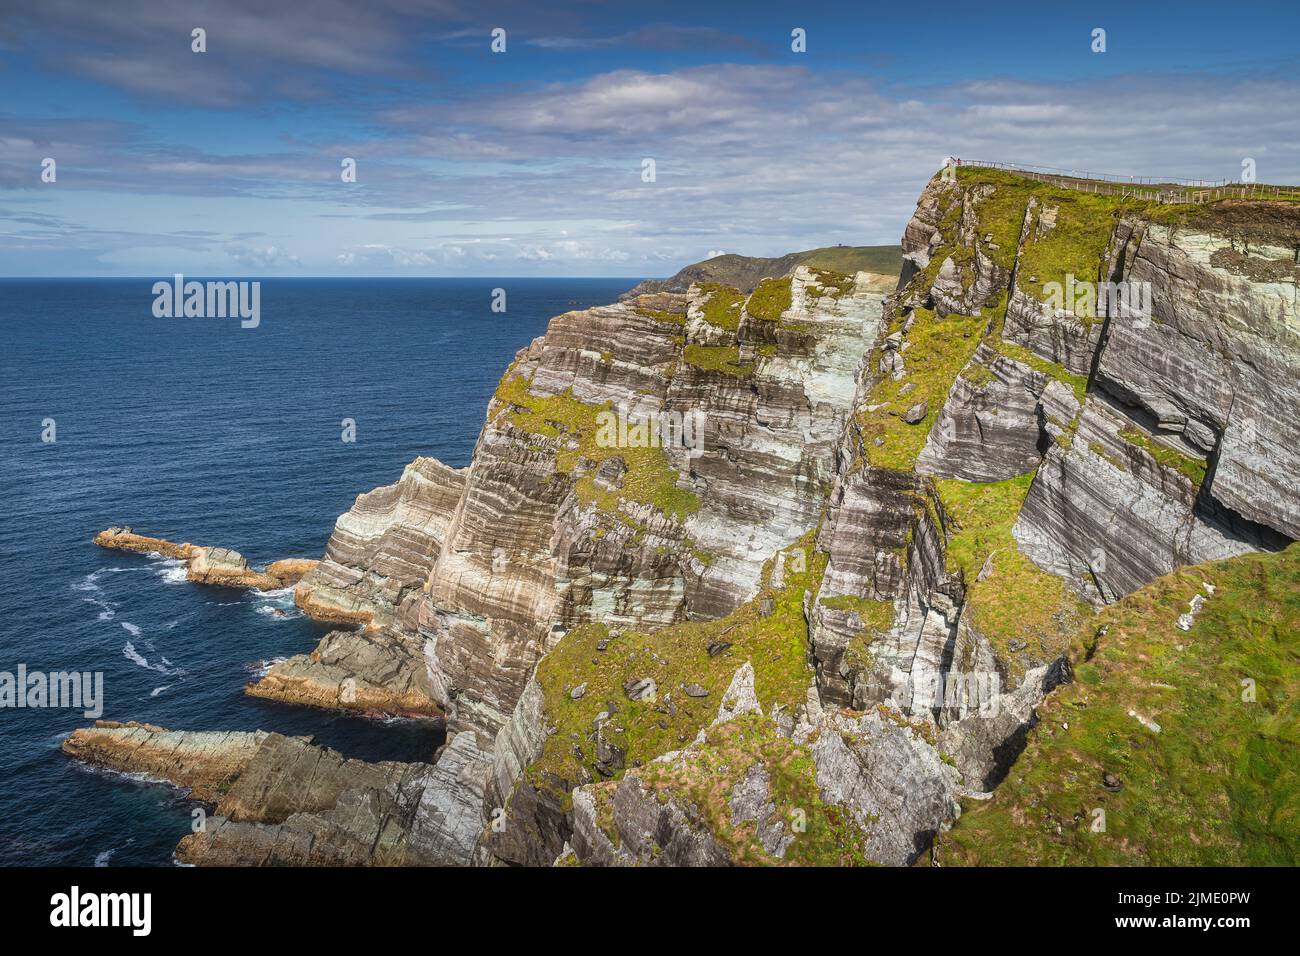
[[531, 161]]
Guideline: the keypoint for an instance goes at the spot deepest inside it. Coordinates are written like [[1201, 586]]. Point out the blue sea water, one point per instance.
[[200, 430]]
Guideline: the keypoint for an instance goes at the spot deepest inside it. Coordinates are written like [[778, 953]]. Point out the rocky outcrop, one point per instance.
[[383, 548], [997, 420], [285, 801], [1106, 515], [984, 744], [531, 825], [125, 539], [1215, 365], [685, 507], [893, 783], [372, 670], [217, 566], [868, 788], [206, 764]]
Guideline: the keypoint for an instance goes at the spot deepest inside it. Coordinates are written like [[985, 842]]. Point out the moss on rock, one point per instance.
[[775, 644], [1199, 729]]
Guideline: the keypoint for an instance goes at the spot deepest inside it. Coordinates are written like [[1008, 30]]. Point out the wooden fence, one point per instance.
[[1147, 188]]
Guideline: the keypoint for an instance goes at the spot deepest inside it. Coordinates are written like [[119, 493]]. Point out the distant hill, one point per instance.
[[746, 272]]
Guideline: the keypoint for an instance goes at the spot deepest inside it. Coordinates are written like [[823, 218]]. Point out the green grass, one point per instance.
[[1017, 603], [878, 615], [717, 358], [848, 260], [722, 308], [776, 646], [939, 350], [661, 315], [877, 618], [1194, 469], [770, 299], [707, 777], [649, 478], [1219, 785], [834, 284], [1018, 353], [1075, 246]]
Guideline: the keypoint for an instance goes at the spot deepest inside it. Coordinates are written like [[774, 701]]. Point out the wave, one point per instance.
[[132, 629], [166, 667], [262, 668], [132, 775], [101, 859], [89, 585], [280, 614], [171, 570]]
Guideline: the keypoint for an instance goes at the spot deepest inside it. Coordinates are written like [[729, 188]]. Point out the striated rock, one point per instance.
[[993, 424], [1107, 516], [869, 787], [383, 548], [894, 784], [547, 535], [571, 599], [371, 670], [886, 561], [1215, 364], [538, 826]]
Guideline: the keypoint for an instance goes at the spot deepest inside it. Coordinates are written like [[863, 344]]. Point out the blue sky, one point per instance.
[[529, 162]]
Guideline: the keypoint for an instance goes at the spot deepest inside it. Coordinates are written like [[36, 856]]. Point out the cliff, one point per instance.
[[792, 573]]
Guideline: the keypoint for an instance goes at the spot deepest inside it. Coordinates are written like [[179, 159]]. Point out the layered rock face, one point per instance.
[[1119, 358], [779, 576], [204, 763], [373, 575], [382, 548], [372, 670], [558, 526], [1187, 444], [837, 787]]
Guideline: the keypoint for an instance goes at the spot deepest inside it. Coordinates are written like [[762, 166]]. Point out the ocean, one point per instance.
[[195, 429]]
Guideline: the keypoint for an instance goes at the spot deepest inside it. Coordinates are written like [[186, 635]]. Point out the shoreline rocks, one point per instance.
[[286, 801], [217, 566], [204, 763], [374, 671]]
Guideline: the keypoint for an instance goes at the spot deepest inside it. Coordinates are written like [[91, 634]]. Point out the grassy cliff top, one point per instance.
[[1199, 730], [746, 272]]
